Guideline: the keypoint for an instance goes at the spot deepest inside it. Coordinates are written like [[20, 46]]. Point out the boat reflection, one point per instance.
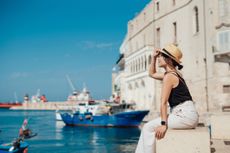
[[101, 139]]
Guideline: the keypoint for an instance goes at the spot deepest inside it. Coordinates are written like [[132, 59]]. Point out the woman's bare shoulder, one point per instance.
[[170, 77]]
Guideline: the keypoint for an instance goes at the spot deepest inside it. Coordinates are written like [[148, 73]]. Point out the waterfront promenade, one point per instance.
[[217, 126]]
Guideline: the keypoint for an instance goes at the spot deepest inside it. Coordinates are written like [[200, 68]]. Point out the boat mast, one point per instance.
[[16, 97], [70, 83]]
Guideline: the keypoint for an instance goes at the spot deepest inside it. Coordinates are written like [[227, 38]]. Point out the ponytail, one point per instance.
[[180, 66]]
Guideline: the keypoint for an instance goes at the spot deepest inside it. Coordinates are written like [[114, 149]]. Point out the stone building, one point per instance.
[[201, 29]]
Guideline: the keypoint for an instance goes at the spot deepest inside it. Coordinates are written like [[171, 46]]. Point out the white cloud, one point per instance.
[[96, 45], [104, 45], [16, 75]]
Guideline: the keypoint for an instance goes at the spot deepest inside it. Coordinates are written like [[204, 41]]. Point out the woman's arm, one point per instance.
[[152, 69], [168, 84]]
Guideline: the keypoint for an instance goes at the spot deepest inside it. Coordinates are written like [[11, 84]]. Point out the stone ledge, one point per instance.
[[220, 126], [185, 141]]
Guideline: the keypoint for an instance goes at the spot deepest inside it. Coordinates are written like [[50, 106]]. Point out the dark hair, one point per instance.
[[173, 62]]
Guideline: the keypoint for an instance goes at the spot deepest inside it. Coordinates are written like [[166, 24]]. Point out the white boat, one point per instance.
[[93, 107], [58, 116]]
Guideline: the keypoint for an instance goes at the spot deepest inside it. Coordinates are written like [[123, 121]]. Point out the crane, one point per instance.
[[70, 83]]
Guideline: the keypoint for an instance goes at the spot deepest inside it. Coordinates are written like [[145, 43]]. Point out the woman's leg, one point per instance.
[[183, 116], [146, 143]]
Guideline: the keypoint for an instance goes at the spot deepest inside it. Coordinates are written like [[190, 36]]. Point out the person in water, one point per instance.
[[24, 130], [175, 92]]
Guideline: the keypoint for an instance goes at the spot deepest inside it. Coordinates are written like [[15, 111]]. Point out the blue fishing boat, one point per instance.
[[16, 147], [121, 119]]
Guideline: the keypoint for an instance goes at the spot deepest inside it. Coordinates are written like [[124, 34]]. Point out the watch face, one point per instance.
[[163, 122]]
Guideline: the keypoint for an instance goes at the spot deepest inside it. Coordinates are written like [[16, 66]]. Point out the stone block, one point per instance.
[[220, 126], [185, 141]]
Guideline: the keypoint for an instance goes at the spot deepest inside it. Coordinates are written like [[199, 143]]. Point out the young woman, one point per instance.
[[175, 92]]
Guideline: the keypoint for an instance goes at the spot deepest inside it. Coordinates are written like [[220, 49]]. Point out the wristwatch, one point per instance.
[[163, 123]]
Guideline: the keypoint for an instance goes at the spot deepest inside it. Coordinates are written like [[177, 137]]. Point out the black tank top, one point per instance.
[[180, 93]]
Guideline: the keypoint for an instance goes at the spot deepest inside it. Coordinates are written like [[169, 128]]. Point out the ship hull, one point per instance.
[[123, 119], [9, 105]]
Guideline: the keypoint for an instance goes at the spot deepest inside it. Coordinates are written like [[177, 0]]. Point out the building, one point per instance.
[[201, 29]]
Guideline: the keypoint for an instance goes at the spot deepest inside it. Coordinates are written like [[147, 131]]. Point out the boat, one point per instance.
[[9, 105], [58, 116], [25, 132], [18, 146], [94, 107], [114, 118], [78, 101]]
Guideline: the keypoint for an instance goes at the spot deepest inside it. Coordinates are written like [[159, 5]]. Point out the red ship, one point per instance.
[[8, 105]]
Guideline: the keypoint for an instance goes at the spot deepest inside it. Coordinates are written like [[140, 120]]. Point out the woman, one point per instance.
[[175, 93]]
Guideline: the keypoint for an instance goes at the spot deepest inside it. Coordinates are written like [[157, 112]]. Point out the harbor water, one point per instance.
[[54, 137]]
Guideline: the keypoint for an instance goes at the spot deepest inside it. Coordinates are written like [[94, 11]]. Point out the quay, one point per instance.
[[57, 105]]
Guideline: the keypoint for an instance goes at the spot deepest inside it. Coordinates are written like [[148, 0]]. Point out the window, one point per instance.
[[144, 40], [223, 7], [174, 2], [115, 87], [144, 16], [158, 6], [158, 38], [142, 64], [175, 33], [132, 67], [226, 88], [223, 40], [195, 20], [139, 65]]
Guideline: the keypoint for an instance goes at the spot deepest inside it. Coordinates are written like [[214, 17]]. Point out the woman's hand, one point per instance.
[[156, 52], [160, 131]]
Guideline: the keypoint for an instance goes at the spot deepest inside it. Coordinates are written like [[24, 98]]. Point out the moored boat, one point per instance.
[[94, 107], [16, 147], [131, 118], [8, 105]]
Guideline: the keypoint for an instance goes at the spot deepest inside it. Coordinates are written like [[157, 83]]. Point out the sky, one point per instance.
[[43, 41]]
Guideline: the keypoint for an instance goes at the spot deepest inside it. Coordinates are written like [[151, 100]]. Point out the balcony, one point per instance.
[[121, 62], [222, 50], [222, 57]]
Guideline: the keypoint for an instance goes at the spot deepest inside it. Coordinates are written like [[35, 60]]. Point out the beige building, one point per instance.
[[201, 28]]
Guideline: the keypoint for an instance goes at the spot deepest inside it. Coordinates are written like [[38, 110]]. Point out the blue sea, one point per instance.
[[54, 137]]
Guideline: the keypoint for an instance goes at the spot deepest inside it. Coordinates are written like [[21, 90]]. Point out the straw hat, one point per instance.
[[173, 52]]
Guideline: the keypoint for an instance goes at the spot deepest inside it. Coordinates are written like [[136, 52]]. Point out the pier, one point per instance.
[[64, 105]]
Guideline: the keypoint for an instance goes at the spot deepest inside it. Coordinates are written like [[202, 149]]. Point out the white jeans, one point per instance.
[[183, 116]]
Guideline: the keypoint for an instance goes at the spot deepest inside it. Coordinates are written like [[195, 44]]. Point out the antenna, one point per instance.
[[84, 85], [70, 83], [16, 97], [38, 93]]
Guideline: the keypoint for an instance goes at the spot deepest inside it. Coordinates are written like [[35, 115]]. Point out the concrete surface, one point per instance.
[[220, 126], [220, 146], [185, 141]]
